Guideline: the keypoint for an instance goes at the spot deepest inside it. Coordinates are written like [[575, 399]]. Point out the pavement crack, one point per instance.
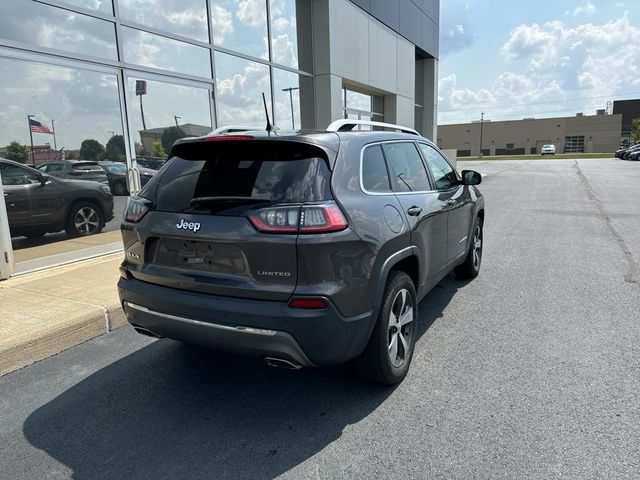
[[633, 269]]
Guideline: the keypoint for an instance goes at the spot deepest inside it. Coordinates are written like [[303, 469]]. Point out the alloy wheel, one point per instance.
[[87, 221], [401, 328], [477, 247]]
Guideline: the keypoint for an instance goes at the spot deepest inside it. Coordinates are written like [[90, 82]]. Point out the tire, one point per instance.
[[84, 219], [470, 268], [120, 188], [396, 327]]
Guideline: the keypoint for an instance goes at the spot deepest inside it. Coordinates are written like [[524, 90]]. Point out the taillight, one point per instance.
[[305, 219], [136, 209]]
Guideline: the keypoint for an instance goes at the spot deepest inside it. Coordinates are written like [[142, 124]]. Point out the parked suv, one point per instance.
[[548, 150], [305, 248], [38, 204], [75, 170]]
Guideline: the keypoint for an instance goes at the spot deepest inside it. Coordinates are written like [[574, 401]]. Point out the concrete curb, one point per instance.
[[41, 318]]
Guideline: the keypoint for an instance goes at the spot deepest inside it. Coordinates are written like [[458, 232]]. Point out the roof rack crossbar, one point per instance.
[[348, 124]]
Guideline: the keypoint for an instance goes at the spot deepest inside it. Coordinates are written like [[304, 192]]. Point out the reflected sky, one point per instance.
[[46, 26], [83, 104], [181, 17], [241, 26]]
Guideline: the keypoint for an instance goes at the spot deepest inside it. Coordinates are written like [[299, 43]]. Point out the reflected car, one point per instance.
[[117, 176], [548, 150], [38, 204], [75, 170], [154, 163]]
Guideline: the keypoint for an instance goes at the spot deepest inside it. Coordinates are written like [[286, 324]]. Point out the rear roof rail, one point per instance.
[[346, 125]]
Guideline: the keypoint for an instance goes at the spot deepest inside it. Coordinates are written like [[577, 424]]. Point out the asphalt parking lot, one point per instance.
[[530, 371]]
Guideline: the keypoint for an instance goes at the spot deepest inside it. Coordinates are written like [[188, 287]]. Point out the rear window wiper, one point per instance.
[[210, 201]]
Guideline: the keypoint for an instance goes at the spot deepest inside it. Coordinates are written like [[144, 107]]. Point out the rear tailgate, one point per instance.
[[90, 171], [197, 234]]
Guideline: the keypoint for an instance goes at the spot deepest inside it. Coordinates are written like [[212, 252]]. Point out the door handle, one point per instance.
[[414, 211], [451, 203]]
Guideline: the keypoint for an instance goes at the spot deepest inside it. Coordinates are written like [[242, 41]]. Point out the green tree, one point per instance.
[[91, 150], [17, 152], [170, 135], [635, 133], [158, 150], [115, 149]]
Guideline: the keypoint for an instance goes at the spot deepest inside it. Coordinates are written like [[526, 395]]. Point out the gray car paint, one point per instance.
[[350, 267]]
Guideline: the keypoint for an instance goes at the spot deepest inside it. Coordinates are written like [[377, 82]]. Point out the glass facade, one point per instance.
[[120, 80]]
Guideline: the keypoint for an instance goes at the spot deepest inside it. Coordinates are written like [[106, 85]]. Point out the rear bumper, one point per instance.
[[252, 327]]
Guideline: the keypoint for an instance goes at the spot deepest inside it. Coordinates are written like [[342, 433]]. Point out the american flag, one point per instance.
[[38, 127]]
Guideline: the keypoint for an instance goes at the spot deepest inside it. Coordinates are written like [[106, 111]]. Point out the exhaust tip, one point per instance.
[[148, 333], [281, 363]]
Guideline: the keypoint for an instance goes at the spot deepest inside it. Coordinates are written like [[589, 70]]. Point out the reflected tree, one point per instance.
[[170, 135], [115, 149], [17, 152], [91, 150]]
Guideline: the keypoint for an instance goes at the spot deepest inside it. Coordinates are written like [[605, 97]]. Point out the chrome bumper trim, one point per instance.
[[238, 329]]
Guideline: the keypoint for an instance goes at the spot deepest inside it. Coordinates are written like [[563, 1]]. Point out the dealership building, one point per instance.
[[600, 133], [95, 69]]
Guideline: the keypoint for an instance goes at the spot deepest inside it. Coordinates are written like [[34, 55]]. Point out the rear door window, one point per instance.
[[269, 172], [407, 167], [375, 177]]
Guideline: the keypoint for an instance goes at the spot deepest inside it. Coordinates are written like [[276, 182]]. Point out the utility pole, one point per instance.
[[481, 127], [175, 117], [290, 90], [29, 117]]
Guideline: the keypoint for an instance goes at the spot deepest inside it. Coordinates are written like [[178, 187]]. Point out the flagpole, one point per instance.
[[53, 126], [33, 161]]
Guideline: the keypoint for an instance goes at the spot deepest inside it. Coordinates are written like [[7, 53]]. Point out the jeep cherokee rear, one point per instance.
[[307, 249]]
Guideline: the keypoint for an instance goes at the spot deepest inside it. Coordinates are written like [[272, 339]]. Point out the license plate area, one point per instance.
[[197, 255]]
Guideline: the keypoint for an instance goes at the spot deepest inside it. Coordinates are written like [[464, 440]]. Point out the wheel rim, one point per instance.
[[87, 221], [401, 322], [477, 247]]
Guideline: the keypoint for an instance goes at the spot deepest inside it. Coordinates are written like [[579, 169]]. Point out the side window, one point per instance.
[[55, 167], [407, 167], [444, 176], [14, 175], [375, 177]]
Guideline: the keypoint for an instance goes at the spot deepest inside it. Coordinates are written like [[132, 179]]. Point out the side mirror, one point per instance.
[[471, 177], [43, 179]]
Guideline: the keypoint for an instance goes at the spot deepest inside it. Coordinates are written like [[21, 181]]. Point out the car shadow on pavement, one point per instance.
[[173, 411]]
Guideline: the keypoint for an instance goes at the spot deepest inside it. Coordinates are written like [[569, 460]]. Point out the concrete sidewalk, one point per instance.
[[46, 312]]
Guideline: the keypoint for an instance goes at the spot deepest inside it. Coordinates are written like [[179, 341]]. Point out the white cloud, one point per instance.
[[284, 51], [586, 8], [222, 24], [598, 57], [252, 13]]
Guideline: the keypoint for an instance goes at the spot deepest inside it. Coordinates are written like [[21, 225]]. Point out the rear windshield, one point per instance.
[[274, 172], [85, 166]]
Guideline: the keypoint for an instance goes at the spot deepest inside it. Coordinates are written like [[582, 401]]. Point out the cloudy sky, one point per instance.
[[515, 59]]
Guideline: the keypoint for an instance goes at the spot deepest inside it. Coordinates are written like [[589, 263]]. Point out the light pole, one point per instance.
[[175, 118], [481, 127], [290, 90]]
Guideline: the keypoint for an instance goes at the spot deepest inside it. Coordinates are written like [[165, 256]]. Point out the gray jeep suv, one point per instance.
[[305, 248]]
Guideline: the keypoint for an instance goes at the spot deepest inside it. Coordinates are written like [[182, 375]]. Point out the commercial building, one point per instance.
[[88, 69], [579, 134], [630, 110]]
